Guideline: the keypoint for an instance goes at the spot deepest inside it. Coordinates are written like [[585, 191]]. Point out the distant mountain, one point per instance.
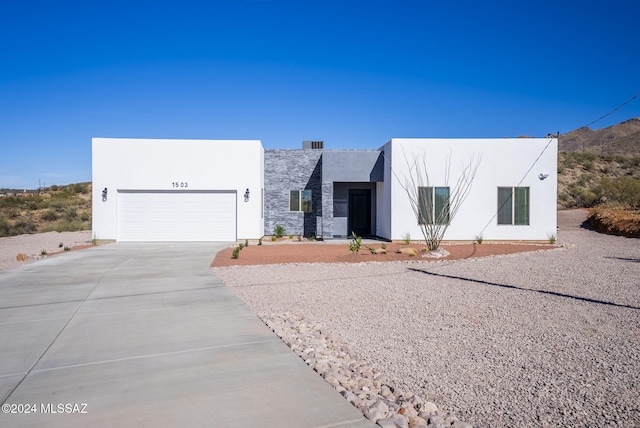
[[620, 139]]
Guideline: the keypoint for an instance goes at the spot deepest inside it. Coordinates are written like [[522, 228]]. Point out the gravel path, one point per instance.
[[32, 246], [550, 338]]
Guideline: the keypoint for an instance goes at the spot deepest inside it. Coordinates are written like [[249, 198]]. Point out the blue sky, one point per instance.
[[351, 73]]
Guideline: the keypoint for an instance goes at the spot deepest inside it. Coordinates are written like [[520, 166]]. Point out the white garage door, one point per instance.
[[176, 216]]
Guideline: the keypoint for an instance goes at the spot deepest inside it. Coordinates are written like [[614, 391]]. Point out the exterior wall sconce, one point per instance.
[[542, 176], [246, 196], [104, 195]]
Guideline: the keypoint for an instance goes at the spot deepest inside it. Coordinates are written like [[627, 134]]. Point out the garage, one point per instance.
[[146, 216]]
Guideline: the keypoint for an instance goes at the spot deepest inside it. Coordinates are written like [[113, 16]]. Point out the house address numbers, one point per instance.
[[182, 184]]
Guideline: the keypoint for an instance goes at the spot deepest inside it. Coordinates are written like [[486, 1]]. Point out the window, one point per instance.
[[433, 205], [300, 200], [513, 205]]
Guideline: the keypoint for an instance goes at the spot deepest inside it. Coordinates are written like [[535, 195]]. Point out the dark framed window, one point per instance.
[[300, 200], [513, 206], [433, 205]]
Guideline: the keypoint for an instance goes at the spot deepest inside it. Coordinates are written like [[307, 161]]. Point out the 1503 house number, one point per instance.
[[182, 184]]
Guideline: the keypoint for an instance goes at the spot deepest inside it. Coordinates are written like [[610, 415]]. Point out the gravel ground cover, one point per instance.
[[32, 246], [547, 338]]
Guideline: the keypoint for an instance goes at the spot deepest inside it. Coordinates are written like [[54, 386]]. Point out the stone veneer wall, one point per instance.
[[286, 170]]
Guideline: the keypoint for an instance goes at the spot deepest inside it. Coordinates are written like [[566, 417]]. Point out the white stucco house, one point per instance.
[[228, 190]]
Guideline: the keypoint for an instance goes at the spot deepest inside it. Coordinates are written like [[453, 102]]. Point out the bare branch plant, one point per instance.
[[433, 225]]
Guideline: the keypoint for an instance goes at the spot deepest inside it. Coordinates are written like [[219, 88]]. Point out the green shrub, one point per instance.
[[622, 191], [49, 215], [278, 231], [24, 226], [65, 226], [5, 227], [70, 214], [406, 238], [236, 252], [80, 188], [355, 244]]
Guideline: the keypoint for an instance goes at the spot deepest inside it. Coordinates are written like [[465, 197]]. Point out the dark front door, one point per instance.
[[360, 212]]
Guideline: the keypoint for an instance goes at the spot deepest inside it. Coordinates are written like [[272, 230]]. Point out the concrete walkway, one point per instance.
[[145, 335]]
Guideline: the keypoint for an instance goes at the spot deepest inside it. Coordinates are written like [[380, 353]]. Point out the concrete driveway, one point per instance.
[[145, 335]]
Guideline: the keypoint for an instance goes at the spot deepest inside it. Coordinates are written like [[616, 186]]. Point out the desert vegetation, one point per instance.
[[55, 208], [586, 180], [608, 185]]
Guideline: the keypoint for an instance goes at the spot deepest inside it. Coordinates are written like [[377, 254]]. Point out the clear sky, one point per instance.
[[352, 73]]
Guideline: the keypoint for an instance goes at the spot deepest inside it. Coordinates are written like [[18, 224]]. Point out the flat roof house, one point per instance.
[[228, 190]]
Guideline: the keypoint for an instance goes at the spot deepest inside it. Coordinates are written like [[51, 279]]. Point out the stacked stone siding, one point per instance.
[[286, 170]]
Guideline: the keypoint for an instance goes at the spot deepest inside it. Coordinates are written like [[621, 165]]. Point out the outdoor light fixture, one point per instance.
[[246, 196], [104, 195], [542, 176]]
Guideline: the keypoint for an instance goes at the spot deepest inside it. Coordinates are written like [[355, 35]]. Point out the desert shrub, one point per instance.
[[65, 226], [70, 214], [584, 179], [588, 165], [53, 187], [80, 188], [59, 201], [49, 215], [355, 244], [24, 226], [5, 227], [236, 252], [85, 216], [631, 162], [582, 197], [622, 191], [10, 201], [12, 212], [278, 231]]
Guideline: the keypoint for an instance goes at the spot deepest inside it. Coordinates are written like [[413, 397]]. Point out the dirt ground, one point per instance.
[[615, 221], [325, 252]]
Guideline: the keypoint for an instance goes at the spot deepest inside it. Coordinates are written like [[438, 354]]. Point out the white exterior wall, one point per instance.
[[152, 165], [504, 163]]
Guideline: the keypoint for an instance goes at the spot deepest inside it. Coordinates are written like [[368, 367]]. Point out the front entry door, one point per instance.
[[360, 212]]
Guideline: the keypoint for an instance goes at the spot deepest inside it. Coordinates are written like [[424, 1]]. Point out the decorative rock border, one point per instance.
[[370, 391]]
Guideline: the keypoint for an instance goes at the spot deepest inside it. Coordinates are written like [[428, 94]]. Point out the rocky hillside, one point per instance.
[[55, 208], [620, 139], [588, 179], [600, 169]]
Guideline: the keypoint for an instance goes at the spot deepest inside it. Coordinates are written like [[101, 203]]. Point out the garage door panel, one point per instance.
[[176, 216]]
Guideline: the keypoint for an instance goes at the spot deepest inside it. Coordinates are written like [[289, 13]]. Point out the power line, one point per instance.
[[518, 185], [614, 110]]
